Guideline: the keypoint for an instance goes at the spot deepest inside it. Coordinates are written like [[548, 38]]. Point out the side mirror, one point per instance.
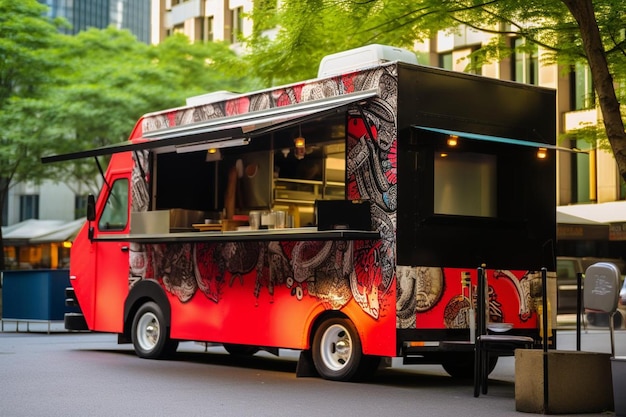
[[91, 208]]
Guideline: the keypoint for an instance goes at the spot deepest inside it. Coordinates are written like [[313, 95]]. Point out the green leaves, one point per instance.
[[311, 29], [61, 93], [108, 80], [25, 42]]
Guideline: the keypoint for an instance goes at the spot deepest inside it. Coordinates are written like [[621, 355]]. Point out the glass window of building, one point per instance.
[[178, 29], [133, 15], [475, 65], [207, 28], [80, 206], [445, 61], [5, 202], [580, 171], [29, 206], [236, 18], [526, 62], [583, 96]]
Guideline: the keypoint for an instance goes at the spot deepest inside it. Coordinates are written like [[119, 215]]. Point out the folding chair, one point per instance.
[[487, 345], [601, 292]]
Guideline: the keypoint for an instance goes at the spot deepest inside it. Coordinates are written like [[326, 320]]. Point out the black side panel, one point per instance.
[[522, 235], [343, 214], [433, 97]]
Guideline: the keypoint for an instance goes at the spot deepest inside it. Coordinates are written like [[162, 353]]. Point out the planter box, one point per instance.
[[578, 382], [618, 369]]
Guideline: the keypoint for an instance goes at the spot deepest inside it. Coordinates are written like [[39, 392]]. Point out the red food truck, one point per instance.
[[343, 216]]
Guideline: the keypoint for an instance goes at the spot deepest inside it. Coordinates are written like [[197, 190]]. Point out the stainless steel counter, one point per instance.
[[299, 233]]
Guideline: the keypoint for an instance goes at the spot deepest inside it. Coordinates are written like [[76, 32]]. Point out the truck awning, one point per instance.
[[232, 127], [488, 138]]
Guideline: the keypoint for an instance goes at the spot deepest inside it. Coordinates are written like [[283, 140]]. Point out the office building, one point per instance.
[[133, 15]]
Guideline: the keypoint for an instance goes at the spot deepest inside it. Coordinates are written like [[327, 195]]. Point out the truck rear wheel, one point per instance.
[[150, 334], [337, 353]]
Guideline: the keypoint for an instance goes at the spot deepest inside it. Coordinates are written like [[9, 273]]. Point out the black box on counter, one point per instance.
[[343, 215]]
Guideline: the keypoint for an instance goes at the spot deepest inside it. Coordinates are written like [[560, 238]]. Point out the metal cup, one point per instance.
[[280, 218], [254, 218]]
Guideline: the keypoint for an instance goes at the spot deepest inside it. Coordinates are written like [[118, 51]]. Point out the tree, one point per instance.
[[596, 53], [26, 64], [300, 44], [61, 93], [572, 30], [109, 80]]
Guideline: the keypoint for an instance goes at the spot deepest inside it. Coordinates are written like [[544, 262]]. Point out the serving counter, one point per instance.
[[286, 234]]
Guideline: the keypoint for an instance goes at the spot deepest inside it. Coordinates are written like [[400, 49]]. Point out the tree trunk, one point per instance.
[[583, 12], [4, 194]]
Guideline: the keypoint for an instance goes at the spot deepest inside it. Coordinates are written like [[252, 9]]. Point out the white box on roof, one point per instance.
[[363, 57], [209, 98]]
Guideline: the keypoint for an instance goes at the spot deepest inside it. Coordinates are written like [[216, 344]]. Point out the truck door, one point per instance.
[[112, 258]]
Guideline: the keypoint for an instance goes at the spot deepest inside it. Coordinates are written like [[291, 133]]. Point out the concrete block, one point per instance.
[[578, 382], [618, 369]]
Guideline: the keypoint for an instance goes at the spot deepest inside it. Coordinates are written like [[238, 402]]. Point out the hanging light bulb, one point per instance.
[[453, 140], [542, 153], [299, 144]]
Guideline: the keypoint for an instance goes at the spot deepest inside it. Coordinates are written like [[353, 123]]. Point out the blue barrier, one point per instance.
[[36, 295]]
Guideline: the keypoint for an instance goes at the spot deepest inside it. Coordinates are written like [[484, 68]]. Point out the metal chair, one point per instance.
[[601, 292], [490, 344]]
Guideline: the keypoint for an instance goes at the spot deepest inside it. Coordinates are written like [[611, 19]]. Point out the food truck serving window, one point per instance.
[[460, 195], [465, 184]]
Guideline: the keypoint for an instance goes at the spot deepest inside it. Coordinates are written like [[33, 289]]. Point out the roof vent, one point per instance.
[[361, 58], [210, 98]]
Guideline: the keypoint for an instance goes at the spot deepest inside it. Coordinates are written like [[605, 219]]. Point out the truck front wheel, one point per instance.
[[150, 334], [337, 353]]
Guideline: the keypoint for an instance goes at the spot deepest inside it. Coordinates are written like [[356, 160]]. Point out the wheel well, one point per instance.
[[328, 314], [141, 293]]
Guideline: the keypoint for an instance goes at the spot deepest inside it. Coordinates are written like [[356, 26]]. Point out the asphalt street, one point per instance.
[[88, 374]]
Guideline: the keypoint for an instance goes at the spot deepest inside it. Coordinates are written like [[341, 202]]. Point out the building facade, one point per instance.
[[201, 20], [133, 15]]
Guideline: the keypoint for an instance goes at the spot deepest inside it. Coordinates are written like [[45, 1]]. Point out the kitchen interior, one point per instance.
[[271, 181]]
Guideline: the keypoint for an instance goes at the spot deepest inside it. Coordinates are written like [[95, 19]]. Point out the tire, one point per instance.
[[337, 353], [150, 334], [462, 366], [240, 350]]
